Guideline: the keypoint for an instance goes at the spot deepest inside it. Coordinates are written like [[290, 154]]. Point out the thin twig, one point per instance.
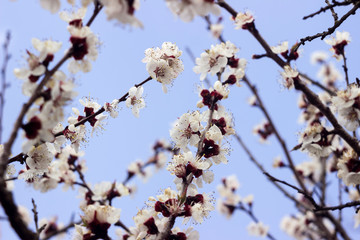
[[330, 30], [313, 99], [316, 83], [21, 157], [62, 230], [123, 226], [4, 83], [152, 160], [345, 69], [333, 13], [34, 210], [299, 85], [338, 207], [208, 21], [318, 208], [323, 181], [324, 9], [306, 195], [262, 169], [102, 109], [340, 198], [276, 132]]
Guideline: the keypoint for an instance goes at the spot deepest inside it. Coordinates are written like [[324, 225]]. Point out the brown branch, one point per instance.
[[328, 7], [62, 230], [21, 157], [338, 129], [6, 197], [82, 178], [316, 83], [323, 181], [340, 198], [259, 56], [123, 226], [34, 210], [338, 207], [310, 95], [330, 30], [318, 208], [262, 169], [345, 69], [152, 160], [306, 195], [4, 83], [167, 229], [102, 109], [227, 7], [313, 99], [277, 134], [97, 8], [333, 13]]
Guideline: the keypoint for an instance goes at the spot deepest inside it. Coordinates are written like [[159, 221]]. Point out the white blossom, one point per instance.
[[164, 64], [288, 76], [243, 20], [281, 48], [346, 104], [338, 43], [348, 168], [257, 229], [135, 100], [316, 141], [186, 130], [122, 11], [188, 9]]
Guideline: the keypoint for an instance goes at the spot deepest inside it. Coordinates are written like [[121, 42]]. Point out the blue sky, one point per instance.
[[127, 138]]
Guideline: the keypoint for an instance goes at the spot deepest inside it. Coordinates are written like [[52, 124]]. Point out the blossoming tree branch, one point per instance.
[[53, 147]]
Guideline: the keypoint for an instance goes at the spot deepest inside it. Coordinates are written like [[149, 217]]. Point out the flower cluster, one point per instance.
[[135, 100], [97, 219], [310, 113], [347, 105], [258, 229], [288, 75], [164, 64], [90, 108], [84, 41], [203, 132], [186, 130], [188, 9], [316, 140], [37, 65], [338, 43], [244, 20], [122, 11], [302, 226], [283, 50], [264, 130], [349, 168], [51, 227], [230, 200], [215, 60]]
